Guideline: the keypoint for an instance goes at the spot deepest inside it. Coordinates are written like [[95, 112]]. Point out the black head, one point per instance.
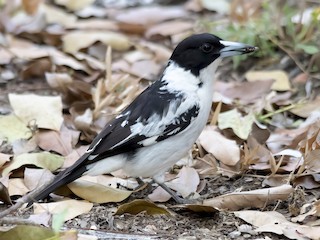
[[198, 51]]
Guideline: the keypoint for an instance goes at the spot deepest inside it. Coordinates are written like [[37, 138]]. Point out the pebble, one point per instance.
[[234, 234]]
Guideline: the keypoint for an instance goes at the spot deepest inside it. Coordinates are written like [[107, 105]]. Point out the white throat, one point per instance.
[[178, 78]]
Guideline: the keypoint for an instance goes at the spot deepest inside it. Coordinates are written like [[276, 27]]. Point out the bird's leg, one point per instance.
[[178, 199]]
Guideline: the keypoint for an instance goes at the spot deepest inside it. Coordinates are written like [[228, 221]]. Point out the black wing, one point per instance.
[[118, 137]]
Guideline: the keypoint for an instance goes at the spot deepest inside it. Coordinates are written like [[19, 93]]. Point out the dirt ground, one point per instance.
[[181, 224]]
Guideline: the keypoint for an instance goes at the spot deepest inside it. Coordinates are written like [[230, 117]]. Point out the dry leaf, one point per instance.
[[162, 53], [116, 40], [246, 92], [159, 195], [61, 142], [74, 156], [138, 205], [17, 187], [68, 208], [24, 145], [43, 160], [314, 210], [186, 182], [56, 15], [241, 125], [74, 5], [4, 158], [200, 208], [306, 109], [168, 28], [223, 149], [220, 6], [146, 16], [4, 193], [5, 56], [276, 223], [42, 218], [281, 78], [34, 178], [12, 128], [98, 193], [254, 199], [31, 107]]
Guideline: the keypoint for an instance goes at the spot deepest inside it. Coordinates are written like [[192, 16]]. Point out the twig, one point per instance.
[[17, 221], [296, 61], [23, 200]]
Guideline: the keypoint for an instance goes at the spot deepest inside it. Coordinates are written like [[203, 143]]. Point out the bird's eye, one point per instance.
[[206, 48]]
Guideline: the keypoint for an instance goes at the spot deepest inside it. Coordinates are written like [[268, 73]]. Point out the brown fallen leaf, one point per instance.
[[68, 208], [185, 183], [139, 19], [4, 193], [116, 40], [220, 6], [139, 205], [16, 187], [201, 209], [74, 156], [55, 15], [96, 192], [4, 158], [223, 149], [246, 92], [74, 5], [168, 28], [281, 78], [309, 209], [5, 56], [34, 178], [41, 218], [255, 198], [305, 109], [276, 223], [31, 107], [61, 142], [162, 53], [159, 195]]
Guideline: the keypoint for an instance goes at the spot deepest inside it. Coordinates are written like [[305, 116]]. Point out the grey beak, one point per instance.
[[235, 48]]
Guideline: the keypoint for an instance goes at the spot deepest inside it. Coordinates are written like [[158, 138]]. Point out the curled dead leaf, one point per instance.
[[276, 223], [116, 40], [68, 209], [31, 107], [97, 193], [255, 198], [223, 149], [44, 160], [139, 205]]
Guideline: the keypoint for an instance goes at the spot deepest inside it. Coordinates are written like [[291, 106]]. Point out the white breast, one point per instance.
[[153, 160]]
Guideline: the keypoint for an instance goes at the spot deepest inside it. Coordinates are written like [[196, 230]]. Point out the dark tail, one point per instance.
[[64, 177]]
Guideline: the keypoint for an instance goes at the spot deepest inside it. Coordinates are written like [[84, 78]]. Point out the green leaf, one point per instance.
[[12, 128], [25, 232], [309, 49], [44, 160]]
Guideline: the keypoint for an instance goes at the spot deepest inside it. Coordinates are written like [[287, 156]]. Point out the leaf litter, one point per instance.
[[264, 132]]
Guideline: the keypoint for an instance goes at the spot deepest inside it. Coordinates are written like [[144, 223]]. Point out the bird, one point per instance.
[[160, 125]]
